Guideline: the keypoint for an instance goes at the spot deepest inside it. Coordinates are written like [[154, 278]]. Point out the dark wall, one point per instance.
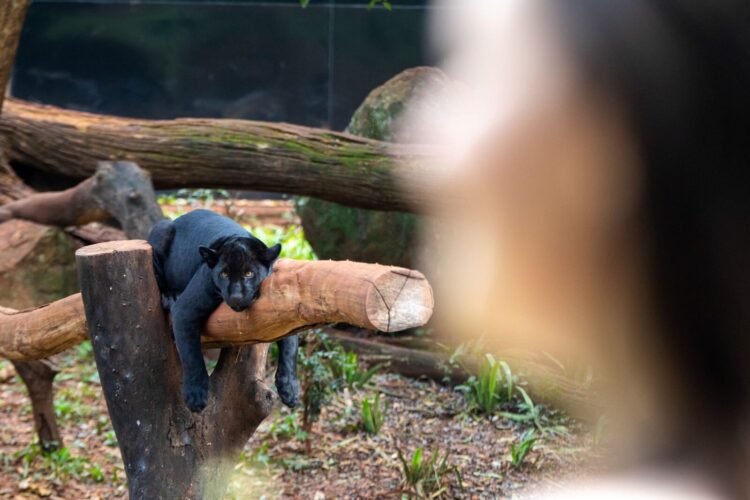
[[266, 60]]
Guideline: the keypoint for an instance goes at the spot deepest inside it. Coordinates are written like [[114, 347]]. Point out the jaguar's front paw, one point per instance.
[[288, 389], [196, 396]]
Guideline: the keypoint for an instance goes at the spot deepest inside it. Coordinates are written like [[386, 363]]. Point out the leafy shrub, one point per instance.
[[345, 366], [426, 477], [492, 387], [287, 427], [373, 414], [292, 239], [518, 451]]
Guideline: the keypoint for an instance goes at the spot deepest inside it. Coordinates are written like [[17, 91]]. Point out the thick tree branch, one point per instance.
[[297, 294], [119, 190], [239, 154]]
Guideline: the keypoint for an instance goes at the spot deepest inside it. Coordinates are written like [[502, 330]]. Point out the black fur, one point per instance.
[[200, 260]]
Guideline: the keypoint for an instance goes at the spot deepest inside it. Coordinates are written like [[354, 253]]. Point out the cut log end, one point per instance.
[[109, 247], [398, 300]]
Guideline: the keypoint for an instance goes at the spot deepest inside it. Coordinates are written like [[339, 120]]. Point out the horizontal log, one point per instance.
[[237, 154], [548, 383], [296, 295]]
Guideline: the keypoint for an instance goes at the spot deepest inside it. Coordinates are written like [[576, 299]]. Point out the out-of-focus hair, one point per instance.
[[681, 69]]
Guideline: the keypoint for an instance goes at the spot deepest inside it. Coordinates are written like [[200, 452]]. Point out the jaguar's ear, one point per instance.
[[209, 256], [271, 254]]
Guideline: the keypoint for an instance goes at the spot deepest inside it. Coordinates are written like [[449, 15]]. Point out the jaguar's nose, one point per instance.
[[235, 304]]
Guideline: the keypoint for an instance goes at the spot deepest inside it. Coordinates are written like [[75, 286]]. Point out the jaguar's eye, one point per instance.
[[249, 274], [224, 274]]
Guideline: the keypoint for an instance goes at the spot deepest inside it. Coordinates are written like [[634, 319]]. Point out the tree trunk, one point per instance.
[[12, 14], [168, 451], [235, 154]]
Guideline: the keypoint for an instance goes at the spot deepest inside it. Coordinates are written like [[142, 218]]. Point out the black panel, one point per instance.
[[269, 60]]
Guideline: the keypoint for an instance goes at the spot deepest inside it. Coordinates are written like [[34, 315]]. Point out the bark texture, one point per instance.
[[119, 190], [12, 14], [297, 294], [38, 377], [168, 451], [235, 154]]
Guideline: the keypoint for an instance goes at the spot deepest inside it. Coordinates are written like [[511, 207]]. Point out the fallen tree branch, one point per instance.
[[119, 190], [297, 294], [240, 154], [548, 382]]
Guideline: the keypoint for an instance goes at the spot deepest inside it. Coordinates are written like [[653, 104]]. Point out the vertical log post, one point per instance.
[[168, 451]]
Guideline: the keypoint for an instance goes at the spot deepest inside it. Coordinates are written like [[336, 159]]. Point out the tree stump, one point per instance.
[[168, 451]]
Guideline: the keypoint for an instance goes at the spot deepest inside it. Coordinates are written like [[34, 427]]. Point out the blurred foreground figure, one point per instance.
[[592, 176]]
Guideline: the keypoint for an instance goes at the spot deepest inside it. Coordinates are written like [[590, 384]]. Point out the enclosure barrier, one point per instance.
[[169, 452]]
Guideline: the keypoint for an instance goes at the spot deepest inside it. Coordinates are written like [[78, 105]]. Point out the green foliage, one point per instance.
[[59, 464], [492, 387], [345, 366], [292, 239], [518, 451], [207, 196], [426, 477], [318, 381], [385, 3], [528, 411], [110, 439], [287, 427], [373, 414]]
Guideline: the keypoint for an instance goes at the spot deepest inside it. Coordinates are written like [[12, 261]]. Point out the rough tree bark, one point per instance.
[[219, 153], [168, 451], [119, 190], [12, 14], [38, 377]]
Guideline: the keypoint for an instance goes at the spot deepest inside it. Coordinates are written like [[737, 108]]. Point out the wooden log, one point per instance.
[[168, 452], [38, 376], [548, 382], [235, 154], [12, 15], [296, 295], [119, 190]]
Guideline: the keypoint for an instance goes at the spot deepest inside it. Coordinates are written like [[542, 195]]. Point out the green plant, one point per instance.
[[345, 365], [528, 410], [287, 427], [318, 382], [58, 464], [207, 196], [373, 414], [292, 239], [491, 387], [518, 451], [426, 477], [385, 3]]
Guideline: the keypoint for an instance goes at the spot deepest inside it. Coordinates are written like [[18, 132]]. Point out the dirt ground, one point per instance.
[[345, 462]]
